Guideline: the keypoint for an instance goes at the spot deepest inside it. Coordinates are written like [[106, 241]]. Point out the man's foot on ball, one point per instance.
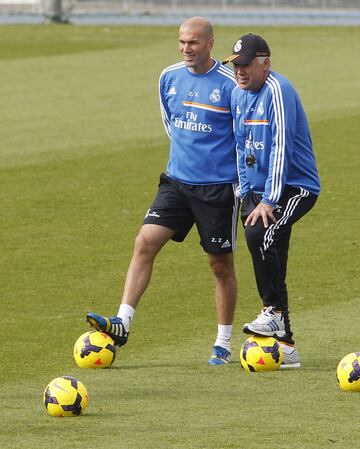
[[268, 323], [219, 356], [113, 327]]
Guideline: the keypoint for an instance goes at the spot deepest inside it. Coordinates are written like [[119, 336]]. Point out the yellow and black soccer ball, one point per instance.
[[261, 354], [94, 350], [348, 372], [65, 396]]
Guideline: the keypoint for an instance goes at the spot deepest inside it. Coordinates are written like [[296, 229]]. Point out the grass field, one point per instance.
[[82, 145]]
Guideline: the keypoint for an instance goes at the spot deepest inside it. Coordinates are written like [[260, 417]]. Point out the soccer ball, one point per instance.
[[94, 350], [261, 354], [348, 372], [65, 396]]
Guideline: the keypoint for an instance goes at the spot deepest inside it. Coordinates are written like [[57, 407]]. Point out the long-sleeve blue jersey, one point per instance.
[[273, 140], [197, 118]]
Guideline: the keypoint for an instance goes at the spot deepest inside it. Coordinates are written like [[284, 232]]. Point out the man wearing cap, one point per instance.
[[278, 178], [199, 186]]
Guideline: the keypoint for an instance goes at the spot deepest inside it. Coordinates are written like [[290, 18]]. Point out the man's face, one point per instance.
[[195, 47], [253, 75]]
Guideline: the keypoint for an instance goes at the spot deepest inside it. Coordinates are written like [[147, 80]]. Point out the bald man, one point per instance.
[[198, 186]]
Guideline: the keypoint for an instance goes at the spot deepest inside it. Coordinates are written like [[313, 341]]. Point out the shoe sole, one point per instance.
[[275, 334], [94, 324], [291, 366], [217, 362]]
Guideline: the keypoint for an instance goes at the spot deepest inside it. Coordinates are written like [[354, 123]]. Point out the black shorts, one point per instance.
[[213, 208]]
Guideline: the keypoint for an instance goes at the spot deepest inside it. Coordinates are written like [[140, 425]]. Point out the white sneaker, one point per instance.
[[291, 357], [268, 323]]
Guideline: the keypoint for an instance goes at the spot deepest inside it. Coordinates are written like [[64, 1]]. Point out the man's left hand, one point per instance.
[[264, 211]]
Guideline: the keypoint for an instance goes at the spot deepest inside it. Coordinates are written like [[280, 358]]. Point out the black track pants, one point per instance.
[[269, 247]]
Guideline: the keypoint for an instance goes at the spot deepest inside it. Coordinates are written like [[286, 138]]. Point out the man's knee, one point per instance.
[[151, 239], [222, 266], [254, 235], [145, 245]]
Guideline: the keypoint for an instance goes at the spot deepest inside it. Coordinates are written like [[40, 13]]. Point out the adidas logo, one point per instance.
[[226, 244], [150, 213], [172, 91]]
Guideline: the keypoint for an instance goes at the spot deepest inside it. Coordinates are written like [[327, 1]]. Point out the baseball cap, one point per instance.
[[246, 48]]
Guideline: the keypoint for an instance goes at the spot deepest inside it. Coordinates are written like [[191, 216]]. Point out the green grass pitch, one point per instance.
[[81, 148]]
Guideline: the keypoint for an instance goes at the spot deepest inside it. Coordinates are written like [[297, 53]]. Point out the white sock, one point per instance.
[[224, 336], [126, 313]]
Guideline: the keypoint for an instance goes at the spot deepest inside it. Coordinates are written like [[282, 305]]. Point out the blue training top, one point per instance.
[[196, 114], [273, 140]]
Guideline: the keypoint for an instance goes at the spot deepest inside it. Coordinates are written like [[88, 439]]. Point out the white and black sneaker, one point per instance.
[[268, 323], [291, 357]]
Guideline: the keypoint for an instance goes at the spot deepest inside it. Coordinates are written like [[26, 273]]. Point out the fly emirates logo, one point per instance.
[[251, 144], [192, 124]]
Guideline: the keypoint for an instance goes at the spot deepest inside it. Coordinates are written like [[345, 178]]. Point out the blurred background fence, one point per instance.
[[312, 12]]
